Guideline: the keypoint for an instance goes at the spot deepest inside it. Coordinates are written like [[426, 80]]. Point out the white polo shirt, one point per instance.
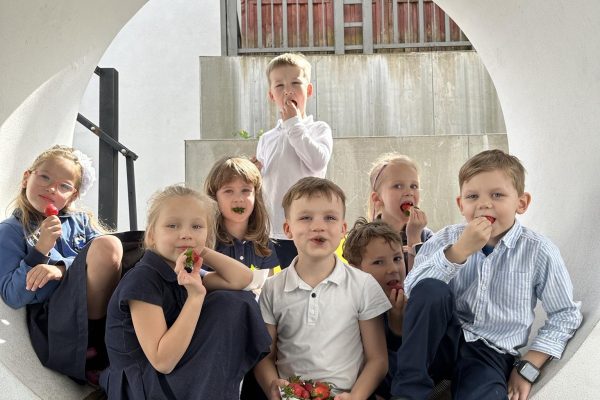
[[318, 336]]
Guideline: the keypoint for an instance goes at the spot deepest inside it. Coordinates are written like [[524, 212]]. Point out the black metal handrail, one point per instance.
[[108, 149]]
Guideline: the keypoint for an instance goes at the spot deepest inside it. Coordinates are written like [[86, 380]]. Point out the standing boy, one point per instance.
[[473, 291], [323, 316], [297, 147]]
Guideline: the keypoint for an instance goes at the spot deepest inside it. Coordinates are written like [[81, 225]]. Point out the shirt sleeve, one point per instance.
[[555, 290], [431, 261], [141, 284], [313, 144], [16, 260], [374, 302], [266, 302]]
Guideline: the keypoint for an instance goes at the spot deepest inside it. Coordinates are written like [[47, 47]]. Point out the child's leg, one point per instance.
[[430, 340], [481, 373], [103, 273]]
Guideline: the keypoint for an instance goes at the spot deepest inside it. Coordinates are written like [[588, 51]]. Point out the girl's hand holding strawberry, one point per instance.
[[343, 396], [41, 274], [50, 231], [417, 221], [274, 392], [192, 281]]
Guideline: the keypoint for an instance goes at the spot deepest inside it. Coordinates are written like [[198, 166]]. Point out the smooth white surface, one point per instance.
[[543, 57]]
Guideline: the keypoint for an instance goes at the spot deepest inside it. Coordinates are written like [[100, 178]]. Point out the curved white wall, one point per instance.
[[542, 56]]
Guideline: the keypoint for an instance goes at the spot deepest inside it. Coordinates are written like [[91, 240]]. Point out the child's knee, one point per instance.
[[431, 290], [108, 249]]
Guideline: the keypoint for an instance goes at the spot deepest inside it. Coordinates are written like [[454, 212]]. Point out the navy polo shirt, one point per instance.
[[243, 251]]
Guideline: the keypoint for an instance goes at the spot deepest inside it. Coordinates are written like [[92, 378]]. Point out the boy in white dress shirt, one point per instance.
[[325, 318], [297, 147]]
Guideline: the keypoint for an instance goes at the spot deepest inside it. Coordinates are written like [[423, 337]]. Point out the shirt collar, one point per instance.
[[293, 281], [511, 237], [157, 263]]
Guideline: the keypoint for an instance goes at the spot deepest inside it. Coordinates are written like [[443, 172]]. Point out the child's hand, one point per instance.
[[343, 396], [476, 234], [417, 221], [41, 274], [50, 231], [518, 387], [192, 281], [274, 393], [290, 108], [258, 164], [396, 315]]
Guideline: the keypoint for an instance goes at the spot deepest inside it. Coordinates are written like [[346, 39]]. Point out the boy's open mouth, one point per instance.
[[294, 102], [405, 207], [395, 284], [318, 240], [238, 210], [490, 218]]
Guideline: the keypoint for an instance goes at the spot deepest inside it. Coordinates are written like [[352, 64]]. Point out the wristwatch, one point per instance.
[[414, 249], [527, 370]]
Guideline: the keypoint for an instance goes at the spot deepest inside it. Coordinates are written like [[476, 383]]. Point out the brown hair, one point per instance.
[[309, 187], [29, 216], [362, 233], [376, 173], [223, 172], [159, 198], [491, 160], [293, 59]]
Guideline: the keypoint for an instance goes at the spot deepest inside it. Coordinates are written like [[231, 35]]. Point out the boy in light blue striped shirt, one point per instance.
[[473, 290]]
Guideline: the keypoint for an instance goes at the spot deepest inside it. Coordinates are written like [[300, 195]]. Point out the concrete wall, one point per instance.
[[429, 93], [439, 157]]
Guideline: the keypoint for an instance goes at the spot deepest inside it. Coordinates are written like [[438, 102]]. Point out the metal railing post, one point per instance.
[[108, 182]]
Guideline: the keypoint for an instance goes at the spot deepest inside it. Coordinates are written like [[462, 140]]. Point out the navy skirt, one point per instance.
[[58, 327]]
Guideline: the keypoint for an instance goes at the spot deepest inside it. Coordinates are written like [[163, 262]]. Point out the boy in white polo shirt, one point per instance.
[[325, 318]]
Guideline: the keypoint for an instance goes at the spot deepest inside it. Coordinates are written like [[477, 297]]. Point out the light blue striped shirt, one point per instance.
[[496, 295]]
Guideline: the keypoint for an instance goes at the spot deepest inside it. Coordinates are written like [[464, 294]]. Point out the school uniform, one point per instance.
[[57, 313], [318, 334], [229, 339], [294, 149]]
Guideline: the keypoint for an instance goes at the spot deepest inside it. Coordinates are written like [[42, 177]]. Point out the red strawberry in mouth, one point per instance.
[[405, 207], [192, 257], [50, 210], [395, 284], [491, 219]]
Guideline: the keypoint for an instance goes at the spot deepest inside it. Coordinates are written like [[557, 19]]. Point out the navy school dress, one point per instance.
[[230, 338], [243, 251], [58, 327]]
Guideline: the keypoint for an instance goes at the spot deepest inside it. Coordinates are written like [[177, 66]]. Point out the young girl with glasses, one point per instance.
[[56, 261]]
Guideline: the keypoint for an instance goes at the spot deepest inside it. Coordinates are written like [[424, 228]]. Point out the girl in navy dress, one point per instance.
[[174, 334], [55, 260], [235, 184], [242, 221]]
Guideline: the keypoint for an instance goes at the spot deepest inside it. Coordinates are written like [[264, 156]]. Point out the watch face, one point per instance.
[[529, 372]]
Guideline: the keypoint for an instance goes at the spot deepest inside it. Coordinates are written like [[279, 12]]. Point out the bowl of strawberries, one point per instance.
[[301, 389]]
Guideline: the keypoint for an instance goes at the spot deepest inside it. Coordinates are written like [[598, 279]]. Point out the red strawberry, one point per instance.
[[192, 257], [491, 219], [50, 210], [321, 391], [405, 207]]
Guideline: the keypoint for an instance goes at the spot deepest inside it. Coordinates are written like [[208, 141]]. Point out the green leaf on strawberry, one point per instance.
[[191, 258]]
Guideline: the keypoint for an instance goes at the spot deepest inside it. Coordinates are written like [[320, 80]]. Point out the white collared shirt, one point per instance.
[[294, 149], [318, 335]]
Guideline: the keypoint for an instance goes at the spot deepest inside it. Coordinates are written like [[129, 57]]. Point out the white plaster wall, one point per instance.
[[544, 59], [157, 56]]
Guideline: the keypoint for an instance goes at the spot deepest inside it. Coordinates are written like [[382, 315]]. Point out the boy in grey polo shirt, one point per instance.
[[325, 318]]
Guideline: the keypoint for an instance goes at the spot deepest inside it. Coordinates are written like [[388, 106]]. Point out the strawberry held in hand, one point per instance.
[[306, 389], [192, 257], [405, 207], [50, 210]]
